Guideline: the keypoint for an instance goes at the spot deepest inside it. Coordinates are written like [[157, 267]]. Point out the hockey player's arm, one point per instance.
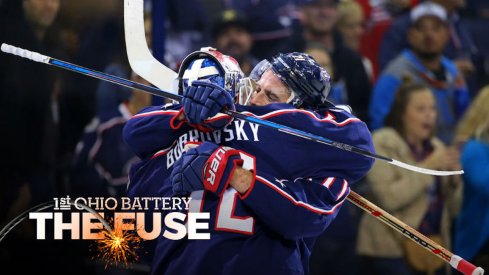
[[293, 208], [154, 128]]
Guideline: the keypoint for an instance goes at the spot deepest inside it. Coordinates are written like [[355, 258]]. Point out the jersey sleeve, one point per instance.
[[154, 128], [300, 185], [296, 208]]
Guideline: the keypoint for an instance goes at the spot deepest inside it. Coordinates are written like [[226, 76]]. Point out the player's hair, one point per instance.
[[401, 100], [475, 123]]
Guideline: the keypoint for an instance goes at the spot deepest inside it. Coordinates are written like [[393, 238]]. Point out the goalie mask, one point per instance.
[[210, 64], [307, 81]]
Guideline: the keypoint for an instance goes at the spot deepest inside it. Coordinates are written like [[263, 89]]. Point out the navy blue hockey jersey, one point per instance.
[[102, 159], [298, 189]]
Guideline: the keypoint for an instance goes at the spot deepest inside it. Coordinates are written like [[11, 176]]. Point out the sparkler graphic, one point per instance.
[[118, 246]]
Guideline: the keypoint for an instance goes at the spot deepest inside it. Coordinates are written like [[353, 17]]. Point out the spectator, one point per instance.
[[471, 239], [101, 45], [318, 20], [424, 63], [271, 22], [479, 29], [26, 98], [424, 202], [351, 23], [29, 137], [460, 47], [184, 29], [231, 34]]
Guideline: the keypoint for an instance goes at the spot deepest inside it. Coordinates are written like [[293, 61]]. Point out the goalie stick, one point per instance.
[[282, 128], [455, 261], [140, 58]]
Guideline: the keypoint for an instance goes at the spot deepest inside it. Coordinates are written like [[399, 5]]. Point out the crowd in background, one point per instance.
[[415, 71]]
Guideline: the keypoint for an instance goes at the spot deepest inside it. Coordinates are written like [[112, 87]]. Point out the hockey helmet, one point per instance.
[[210, 64], [307, 81]]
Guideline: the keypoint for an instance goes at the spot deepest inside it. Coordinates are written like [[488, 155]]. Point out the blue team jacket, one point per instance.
[[452, 96], [297, 191], [472, 224]]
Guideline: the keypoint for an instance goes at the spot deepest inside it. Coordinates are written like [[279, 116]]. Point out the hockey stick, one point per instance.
[[140, 58], [282, 128], [455, 261]]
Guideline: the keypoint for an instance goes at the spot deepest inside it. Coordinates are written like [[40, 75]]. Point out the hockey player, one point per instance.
[[269, 195]]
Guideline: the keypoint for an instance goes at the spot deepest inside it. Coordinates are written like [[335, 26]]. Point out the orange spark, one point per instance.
[[118, 246]]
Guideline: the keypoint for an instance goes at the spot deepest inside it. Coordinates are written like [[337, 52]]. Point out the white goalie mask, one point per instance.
[[210, 64]]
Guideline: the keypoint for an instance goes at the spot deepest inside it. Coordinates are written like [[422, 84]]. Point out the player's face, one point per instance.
[[269, 89], [41, 12], [420, 116]]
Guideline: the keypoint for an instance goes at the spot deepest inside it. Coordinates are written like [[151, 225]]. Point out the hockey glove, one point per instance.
[[202, 101], [207, 166]]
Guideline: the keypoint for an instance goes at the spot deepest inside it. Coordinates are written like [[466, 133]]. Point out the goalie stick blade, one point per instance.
[[140, 58]]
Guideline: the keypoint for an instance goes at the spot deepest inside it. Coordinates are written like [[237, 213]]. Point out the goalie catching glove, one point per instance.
[[202, 100], [207, 166]]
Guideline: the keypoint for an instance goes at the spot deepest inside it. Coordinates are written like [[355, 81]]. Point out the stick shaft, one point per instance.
[[455, 261], [37, 57]]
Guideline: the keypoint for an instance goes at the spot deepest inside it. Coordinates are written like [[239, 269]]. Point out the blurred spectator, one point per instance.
[[101, 44], [379, 15], [424, 202], [471, 240], [27, 92], [318, 19], [478, 25], [28, 118], [102, 159], [424, 63], [231, 35], [351, 25], [271, 22], [460, 47]]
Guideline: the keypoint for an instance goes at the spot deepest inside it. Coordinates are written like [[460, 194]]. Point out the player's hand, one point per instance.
[[202, 101], [207, 166]]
